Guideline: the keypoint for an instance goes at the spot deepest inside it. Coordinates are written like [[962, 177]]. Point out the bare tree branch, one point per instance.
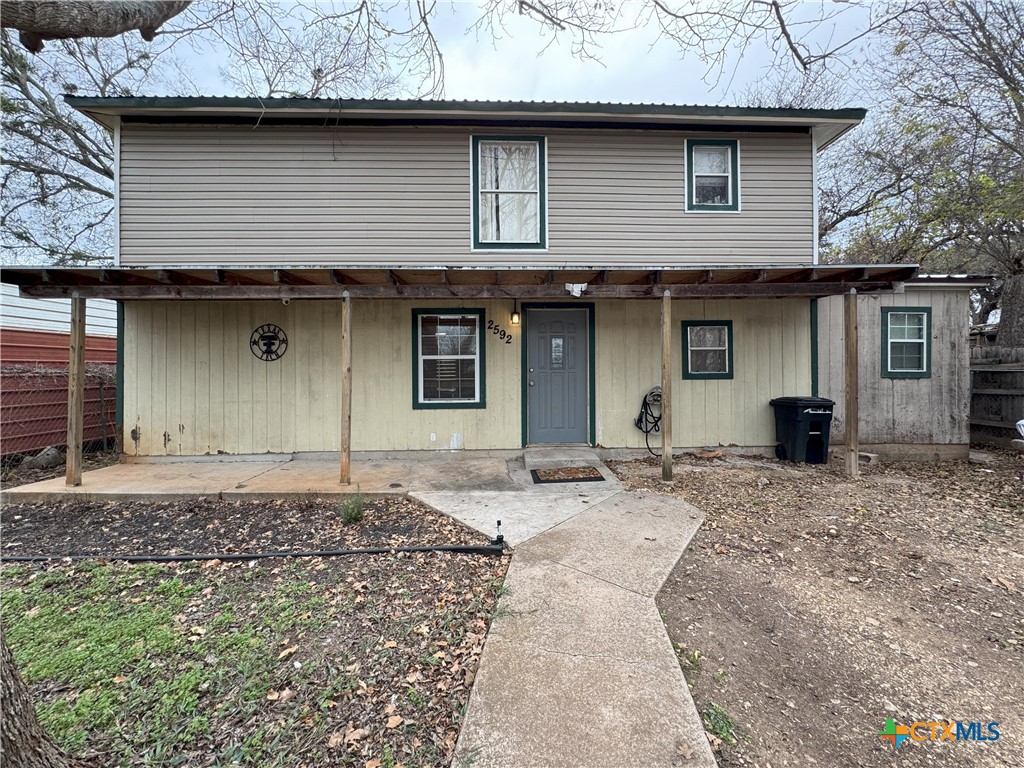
[[39, 20]]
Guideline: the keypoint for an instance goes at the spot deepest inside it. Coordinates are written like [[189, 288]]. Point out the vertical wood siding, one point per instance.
[[771, 358], [244, 196], [192, 386], [928, 411]]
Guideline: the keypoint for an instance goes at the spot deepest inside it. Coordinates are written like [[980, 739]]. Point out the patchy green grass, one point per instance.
[[352, 508], [718, 722], [277, 663], [689, 662]]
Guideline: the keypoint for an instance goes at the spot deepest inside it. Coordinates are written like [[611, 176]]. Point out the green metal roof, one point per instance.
[[831, 122], [129, 103]]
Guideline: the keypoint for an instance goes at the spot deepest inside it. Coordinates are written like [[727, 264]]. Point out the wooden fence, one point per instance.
[[997, 394]]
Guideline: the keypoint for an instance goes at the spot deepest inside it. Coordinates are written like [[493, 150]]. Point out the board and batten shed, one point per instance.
[[914, 367]]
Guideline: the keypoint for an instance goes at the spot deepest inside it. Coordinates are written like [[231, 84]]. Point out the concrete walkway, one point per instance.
[[530, 510], [578, 669]]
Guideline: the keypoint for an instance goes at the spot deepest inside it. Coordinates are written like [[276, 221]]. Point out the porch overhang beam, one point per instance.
[[428, 282], [229, 277], [339, 277], [285, 277], [174, 277], [120, 277], [449, 291]]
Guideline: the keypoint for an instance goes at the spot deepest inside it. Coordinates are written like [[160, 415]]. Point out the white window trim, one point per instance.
[[689, 193], [690, 349], [484, 247], [923, 341], [727, 174], [420, 357]]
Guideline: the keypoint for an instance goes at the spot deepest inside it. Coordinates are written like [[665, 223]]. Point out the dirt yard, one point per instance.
[[810, 608], [12, 475]]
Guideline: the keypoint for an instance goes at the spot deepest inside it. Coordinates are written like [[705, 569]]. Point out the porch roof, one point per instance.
[[398, 282]]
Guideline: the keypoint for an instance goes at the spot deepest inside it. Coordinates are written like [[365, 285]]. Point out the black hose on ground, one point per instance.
[[461, 549]]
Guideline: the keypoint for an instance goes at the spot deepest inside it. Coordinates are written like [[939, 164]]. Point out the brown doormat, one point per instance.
[[567, 475]]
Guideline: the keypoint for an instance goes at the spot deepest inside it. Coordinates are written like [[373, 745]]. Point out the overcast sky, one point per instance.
[[526, 63], [634, 66]]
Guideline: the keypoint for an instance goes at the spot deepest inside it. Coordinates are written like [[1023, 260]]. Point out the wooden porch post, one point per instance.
[[666, 386], [76, 392], [852, 400], [346, 389]]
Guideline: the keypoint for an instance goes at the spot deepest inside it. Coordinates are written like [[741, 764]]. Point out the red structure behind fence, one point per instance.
[[34, 390], [34, 407]]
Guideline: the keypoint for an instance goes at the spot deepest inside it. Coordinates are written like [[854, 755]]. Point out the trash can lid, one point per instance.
[[803, 402]]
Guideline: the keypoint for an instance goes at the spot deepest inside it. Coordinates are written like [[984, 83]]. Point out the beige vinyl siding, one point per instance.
[[244, 196], [771, 358], [192, 387], [926, 411]]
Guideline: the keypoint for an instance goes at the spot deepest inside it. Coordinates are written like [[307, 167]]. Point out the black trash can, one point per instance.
[[802, 427]]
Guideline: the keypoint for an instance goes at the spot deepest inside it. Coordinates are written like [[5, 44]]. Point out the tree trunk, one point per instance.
[[23, 742], [1011, 312], [40, 20]]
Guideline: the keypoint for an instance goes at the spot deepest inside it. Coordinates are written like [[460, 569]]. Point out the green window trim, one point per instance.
[[926, 373], [733, 206], [541, 243], [481, 402], [719, 375]]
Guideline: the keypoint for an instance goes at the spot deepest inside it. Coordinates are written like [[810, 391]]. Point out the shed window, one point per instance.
[[448, 369], [509, 192], [707, 349], [906, 351], [712, 175]]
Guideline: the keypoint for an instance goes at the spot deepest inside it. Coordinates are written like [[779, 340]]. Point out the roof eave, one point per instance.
[[830, 123]]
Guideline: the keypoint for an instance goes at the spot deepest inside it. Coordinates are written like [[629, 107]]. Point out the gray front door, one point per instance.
[[557, 373]]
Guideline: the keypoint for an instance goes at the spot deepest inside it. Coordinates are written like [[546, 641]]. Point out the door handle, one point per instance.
[[531, 383]]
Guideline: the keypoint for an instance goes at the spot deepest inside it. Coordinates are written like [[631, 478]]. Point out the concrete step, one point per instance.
[[546, 457]]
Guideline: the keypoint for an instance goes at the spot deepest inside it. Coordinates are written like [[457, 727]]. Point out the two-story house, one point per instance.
[[506, 265]]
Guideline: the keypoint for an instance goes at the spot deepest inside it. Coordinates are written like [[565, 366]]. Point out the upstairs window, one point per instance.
[[509, 205], [707, 349], [712, 175], [449, 358], [906, 349]]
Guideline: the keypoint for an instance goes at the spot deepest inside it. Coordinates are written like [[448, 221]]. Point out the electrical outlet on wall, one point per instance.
[[433, 437]]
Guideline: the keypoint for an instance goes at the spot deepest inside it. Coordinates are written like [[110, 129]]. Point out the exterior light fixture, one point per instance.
[[516, 318]]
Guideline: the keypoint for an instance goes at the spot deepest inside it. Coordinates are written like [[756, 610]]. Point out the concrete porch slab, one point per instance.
[[157, 482], [547, 457], [279, 479], [374, 478]]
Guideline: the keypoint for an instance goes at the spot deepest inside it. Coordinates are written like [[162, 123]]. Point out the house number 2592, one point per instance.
[[498, 331]]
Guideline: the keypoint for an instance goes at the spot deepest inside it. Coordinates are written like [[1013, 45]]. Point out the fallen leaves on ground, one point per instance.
[[810, 603], [216, 526], [276, 662]]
